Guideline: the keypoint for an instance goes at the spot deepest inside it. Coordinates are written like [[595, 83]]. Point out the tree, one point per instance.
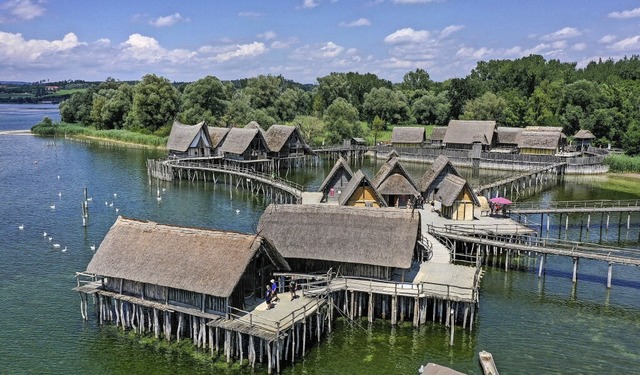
[[341, 121], [391, 106], [155, 103], [376, 126], [264, 90], [418, 80], [351, 86], [487, 107], [459, 91], [115, 110], [204, 99], [432, 108], [290, 103], [78, 107]]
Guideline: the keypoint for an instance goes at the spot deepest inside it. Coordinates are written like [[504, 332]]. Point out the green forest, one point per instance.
[[603, 97]]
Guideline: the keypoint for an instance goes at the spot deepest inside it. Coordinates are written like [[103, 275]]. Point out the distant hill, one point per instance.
[[15, 83]]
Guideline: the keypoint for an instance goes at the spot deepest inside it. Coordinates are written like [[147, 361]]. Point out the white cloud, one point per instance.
[[407, 35], [356, 23], [168, 20], [631, 44], [328, 50], [625, 14], [267, 35], [560, 44], [14, 49], [308, 4], [24, 9], [450, 30], [579, 46], [468, 52], [147, 49], [242, 51], [565, 33], [607, 39]]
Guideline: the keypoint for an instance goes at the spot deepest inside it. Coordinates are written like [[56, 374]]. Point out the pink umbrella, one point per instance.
[[500, 200]]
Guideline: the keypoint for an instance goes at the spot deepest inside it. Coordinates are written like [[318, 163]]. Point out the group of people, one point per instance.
[[271, 293]]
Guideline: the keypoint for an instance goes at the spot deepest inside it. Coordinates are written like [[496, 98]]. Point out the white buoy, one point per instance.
[[58, 177], [60, 194]]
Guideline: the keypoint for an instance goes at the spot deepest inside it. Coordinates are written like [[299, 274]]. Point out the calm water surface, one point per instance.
[[530, 325]]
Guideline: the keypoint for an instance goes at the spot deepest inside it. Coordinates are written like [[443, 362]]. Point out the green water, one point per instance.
[[531, 325]]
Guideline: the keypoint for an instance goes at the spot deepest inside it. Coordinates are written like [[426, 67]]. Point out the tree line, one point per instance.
[[603, 97]]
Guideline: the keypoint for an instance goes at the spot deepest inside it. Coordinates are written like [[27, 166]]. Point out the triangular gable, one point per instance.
[[359, 179], [451, 188], [390, 167], [341, 167], [239, 139], [440, 167], [182, 135]]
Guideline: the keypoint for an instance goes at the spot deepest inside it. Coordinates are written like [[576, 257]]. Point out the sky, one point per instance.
[[302, 39]]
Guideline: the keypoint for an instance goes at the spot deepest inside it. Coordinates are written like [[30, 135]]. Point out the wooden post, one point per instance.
[[575, 269], [609, 273], [542, 259]]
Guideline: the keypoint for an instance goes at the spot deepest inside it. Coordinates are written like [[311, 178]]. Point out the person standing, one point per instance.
[[292, 289], [267, 297], [274, 291]]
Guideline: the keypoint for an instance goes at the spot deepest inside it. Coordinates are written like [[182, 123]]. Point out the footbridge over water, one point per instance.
[[524, 184], [478, 243], [271, 186]]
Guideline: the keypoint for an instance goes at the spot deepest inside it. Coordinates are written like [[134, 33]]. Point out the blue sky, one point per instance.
[[302, 39]]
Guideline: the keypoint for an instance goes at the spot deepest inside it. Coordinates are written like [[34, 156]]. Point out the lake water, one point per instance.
[[530, 325]]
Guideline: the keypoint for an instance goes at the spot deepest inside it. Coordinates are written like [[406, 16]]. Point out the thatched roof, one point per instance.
[[464, 131], [547, 129], [508, 135], [405, 134], [584, 134], [397, 184], [278, 135], [438, 133], [434, 171], [194, 259], [359, 179], [450, 189], [239, 139], [182, 135], [539, 139], [340, 165], [392, 166], [217, 135], [381, 237], [393, 154]]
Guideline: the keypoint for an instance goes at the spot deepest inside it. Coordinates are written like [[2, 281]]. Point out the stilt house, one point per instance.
[[202, 272], [336, 181], [405, 136], [437, 136], [456, 198], [189, 140], [286, 142], [431, 180], [360, 192], [218, 136], [349, 241], [244, 144], [461, 134], [540, 140], [507, 139], [395, 184], [583, 139]]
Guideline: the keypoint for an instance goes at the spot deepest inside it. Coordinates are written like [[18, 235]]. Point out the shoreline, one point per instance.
[[16, 132], [113, 141]]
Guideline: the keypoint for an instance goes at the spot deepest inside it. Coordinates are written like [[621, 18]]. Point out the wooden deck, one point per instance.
[[272, 323]]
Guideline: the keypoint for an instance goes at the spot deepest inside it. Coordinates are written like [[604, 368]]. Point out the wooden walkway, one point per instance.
[[522, 184], [205, 170], [542, 245], [632, 205]]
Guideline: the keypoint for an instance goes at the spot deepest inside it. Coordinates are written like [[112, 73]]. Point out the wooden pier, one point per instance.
[[524, 184], [479, 244], [270, 186]]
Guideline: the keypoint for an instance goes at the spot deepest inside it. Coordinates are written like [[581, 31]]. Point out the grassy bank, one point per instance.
[[116, 135], [623, 163]]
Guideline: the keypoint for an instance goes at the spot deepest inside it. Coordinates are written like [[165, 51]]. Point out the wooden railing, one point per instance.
[[602, 203]]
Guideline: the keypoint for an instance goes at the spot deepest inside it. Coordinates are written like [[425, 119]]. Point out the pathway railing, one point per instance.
[[602, 203]]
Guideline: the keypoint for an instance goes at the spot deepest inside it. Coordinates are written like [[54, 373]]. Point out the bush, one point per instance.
[[119, 135], [623, 163]]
